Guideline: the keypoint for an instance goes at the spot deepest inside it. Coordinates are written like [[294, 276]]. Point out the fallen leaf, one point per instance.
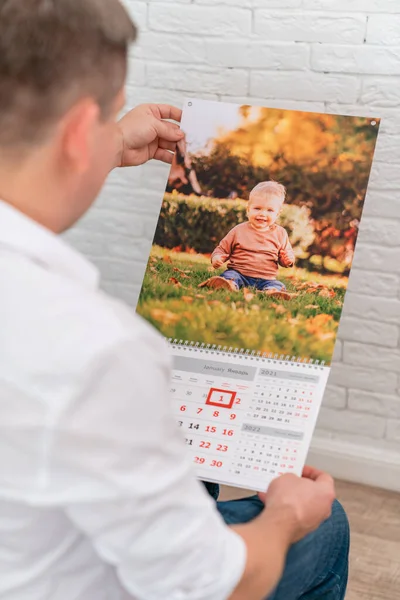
[[280, 310], [214, 302], [312, 306], [153, 259], [293, 321], [187, 299], [255, 307], [181, 273], [167, 259], [174, 281], [165, 316], [325, 293], [187, 315], [248, 296], [321, 319], [199, 296], [310, 290], [153, 269], [327, 336]]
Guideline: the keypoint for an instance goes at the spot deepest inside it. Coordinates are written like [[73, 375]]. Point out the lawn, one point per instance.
[[304, 326]]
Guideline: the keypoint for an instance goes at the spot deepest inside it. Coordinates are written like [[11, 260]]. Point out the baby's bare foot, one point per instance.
[[219, 283], [280, 294]]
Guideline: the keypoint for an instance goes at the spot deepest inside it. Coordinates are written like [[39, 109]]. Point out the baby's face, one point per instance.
[[263, 211]]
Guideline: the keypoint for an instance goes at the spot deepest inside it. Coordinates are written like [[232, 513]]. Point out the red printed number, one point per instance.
[[205, 444], [222, 448], [216, 463], [199, 460]]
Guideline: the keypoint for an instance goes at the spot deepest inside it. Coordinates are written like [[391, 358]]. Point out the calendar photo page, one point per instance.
[[247, 277]]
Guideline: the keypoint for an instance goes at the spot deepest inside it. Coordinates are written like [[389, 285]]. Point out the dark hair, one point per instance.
[[53, 52]]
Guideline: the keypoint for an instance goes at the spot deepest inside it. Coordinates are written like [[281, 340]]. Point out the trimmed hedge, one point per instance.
[[193, 223]]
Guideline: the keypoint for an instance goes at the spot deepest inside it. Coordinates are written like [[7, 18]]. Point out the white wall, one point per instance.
[[324, 55]]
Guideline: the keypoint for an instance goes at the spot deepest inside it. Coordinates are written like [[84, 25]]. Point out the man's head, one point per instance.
[[62, 73], [265, 204]]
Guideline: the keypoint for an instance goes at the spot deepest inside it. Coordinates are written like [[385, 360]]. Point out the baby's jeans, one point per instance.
[[253, 282]]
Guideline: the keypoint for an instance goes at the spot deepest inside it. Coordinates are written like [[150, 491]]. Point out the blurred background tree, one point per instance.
[[323, 160]]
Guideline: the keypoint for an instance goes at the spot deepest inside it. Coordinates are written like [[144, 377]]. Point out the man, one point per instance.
[[98, 499]]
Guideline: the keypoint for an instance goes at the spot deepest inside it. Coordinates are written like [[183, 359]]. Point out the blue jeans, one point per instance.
[[254, 282], [317, 566]]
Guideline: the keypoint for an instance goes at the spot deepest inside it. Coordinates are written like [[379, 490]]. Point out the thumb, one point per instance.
[[168, 131]]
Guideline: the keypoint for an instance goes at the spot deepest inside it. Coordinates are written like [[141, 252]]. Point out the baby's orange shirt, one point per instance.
[[256, 253]]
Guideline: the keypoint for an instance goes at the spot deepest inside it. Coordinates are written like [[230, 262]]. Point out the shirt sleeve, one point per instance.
[[286, 255], [225, 246], [129, 483]]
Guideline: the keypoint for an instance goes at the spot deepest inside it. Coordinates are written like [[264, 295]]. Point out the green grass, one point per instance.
[[305, 326]]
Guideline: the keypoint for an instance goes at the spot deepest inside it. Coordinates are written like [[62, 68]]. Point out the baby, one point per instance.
[[257, 247]]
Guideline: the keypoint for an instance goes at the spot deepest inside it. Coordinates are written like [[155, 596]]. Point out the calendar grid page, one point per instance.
[[245, 419]]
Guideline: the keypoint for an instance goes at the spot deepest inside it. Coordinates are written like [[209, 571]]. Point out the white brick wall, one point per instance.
[[340, 56]]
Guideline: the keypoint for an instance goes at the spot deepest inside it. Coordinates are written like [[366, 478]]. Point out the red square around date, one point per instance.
[[221, 398]]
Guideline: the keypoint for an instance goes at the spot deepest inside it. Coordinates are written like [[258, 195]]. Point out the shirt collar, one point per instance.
[[20, 234]]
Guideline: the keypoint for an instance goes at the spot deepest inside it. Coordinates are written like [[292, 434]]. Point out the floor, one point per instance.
[[375, 553]]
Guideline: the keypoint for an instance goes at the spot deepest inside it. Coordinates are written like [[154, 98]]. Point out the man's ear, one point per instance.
[[78, 129]]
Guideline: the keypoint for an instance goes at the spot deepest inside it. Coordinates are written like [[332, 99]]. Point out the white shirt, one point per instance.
[[98, 500]]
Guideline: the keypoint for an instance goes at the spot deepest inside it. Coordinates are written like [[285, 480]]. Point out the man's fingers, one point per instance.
[[311, 473], [164, 156], [170, 112], [166, 145], [168, 131]]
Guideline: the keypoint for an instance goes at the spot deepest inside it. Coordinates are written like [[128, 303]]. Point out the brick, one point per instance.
[[257, 55], [385, 176], [196, 79], [365, 355], [381, 92], [383, 203], [335, 397], [377, 404], [376, 308], [125, 292], [388, 149], [372, 380], [363, 441], [242, 3], [393, 431], [337, 352], [199, 20], [383, 29], [138, 12], [309, 27], [368, 332], [349, 422], [356, 59], [379, 6], [381, 231], [304, 86], [367, 282], [376, 259], [137, 72], [154, 176], [277, 103], [276, 3], [167, 47]]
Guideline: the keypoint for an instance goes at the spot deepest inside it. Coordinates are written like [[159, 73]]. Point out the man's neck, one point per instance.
[[29, 187]]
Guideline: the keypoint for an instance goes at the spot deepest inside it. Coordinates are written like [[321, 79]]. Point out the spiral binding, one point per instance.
[[247, 354]]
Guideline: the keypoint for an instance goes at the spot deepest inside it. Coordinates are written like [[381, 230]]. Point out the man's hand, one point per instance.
[[309, 499], [146, 135]]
